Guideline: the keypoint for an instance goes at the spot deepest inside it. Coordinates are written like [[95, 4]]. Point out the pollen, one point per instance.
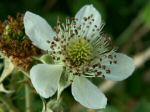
[[79, 51]]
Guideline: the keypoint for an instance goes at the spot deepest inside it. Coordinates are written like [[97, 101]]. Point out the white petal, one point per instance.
[[88, 94], [87, 11], [38, 30], [45, 78], [122, 70]]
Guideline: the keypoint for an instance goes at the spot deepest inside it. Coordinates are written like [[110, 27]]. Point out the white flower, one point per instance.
[[79, 48]]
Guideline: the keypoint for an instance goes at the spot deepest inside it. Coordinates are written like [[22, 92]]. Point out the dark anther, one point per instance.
[[104, 67], [108, 71], [103, 76], [110, 62], [56, 39], [95, 65], [110, 56], [72, 35], [98, 73], [115, 62], [58, 58], [71, 81], [115, 56], [93, 30], [100, 59], [95, 26], [59, 52], [76, 31], [53, 43], [48, 41], [87, 26], [85, 19], [55, 28]]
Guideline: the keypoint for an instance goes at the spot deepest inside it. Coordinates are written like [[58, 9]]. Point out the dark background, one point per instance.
[[127, 22]]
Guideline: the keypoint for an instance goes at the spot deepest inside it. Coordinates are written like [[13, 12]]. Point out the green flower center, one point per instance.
[[79, 51]]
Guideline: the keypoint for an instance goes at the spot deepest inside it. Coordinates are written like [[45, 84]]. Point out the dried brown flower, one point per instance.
[[15, 44]]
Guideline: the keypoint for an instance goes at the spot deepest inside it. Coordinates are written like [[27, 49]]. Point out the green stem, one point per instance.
[[27, 98]]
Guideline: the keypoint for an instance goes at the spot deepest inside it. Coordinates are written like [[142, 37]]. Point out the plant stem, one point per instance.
[[27, 98]]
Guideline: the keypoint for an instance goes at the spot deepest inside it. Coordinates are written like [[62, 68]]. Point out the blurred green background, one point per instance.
[[127, 22]]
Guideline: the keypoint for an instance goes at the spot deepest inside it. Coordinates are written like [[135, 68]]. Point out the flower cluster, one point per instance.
[[80, 49]]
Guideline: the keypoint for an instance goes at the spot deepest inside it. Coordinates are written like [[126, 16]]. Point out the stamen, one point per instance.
[[72, 47]]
